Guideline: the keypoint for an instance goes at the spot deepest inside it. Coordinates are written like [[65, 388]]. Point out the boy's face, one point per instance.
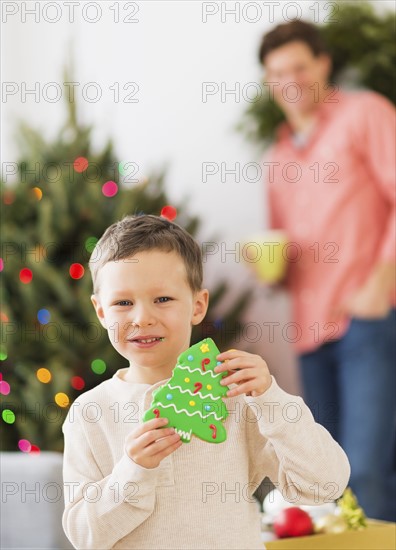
[[151, 291], [297, 76]]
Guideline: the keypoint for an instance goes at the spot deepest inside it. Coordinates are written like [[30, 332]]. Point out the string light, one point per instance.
[[44, 375], [90, 244], [98, 366], [80, 164], [4, 387], [62, 400], [25, 275], [109, 189], [24, 445], [77, 383], [37, 192], [76, 271], [169, 212], [43, 316], [3, 353], [8, 416]]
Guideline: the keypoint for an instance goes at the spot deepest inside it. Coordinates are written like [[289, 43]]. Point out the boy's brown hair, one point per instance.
[[134, 234], [295, 31]]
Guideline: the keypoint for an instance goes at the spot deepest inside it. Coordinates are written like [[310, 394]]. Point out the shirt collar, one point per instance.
[[324, 111]]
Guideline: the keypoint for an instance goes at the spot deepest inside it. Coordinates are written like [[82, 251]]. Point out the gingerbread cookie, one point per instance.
[[192, 398]]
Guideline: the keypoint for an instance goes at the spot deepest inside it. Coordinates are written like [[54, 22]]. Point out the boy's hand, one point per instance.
[[150, 443], [248, 371]]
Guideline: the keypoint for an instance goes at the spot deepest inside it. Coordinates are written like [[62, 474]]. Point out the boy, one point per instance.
[[130, 484]]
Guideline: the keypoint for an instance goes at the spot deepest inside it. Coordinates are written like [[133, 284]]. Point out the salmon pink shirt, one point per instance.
[[334, 196]]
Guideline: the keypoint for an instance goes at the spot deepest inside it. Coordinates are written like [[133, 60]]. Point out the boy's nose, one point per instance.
[[143, 317]]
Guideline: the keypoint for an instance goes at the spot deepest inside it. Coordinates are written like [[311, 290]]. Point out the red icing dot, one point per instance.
[[169, 212], [156, 412]]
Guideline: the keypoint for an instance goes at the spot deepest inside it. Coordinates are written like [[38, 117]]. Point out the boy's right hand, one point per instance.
[[150, 443]]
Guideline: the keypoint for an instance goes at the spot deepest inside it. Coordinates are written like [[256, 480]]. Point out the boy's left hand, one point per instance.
[[250, 373]]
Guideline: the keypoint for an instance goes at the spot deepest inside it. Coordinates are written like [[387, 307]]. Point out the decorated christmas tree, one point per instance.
[[55, 206], [192, 398]]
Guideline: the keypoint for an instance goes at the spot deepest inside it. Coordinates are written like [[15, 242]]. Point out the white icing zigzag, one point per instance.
[[194, 394], [190, 414], [212, 374]]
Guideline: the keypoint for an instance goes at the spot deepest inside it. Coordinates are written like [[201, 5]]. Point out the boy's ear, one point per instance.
[[201, 302], [99, 310]]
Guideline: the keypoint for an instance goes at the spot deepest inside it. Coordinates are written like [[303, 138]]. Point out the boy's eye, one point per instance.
[[164, 299], [123, 303]]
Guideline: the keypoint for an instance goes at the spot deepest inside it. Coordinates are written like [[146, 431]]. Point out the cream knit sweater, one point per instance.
[[201, 496]]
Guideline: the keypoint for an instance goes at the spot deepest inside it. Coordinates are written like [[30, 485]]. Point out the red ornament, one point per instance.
[[76, 271], [80, 164], [293, 522], [34, 449], [169, 212], [25, 275]]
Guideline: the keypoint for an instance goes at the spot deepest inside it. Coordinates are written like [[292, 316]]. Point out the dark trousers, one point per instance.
[[350, 386]]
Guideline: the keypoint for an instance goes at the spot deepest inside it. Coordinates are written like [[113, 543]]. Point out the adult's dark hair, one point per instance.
[[294, 31]]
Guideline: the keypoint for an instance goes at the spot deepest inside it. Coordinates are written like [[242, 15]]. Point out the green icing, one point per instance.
[[192, 398]]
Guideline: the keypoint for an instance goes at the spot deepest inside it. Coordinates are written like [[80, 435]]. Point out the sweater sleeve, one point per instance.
[[99, 511], [298, 455]]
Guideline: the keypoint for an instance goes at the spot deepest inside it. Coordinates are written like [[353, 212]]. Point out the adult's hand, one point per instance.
[[373, 299]]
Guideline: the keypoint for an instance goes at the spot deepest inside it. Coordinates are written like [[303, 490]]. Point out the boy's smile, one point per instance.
[[148, 309]]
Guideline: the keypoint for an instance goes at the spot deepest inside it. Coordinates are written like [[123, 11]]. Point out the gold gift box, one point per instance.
[[378, 535]]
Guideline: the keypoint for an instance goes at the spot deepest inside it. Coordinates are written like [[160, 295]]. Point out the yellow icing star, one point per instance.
[[187, 380], [192, 403], [208, 387], [204, 348]]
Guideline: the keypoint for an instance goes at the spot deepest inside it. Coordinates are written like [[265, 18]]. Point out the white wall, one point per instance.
[[170, 52]]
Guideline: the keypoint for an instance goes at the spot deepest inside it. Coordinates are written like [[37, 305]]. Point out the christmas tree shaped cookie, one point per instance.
[[192, 398]]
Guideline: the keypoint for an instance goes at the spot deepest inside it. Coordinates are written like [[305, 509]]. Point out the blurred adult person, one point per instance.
[[331, 188]]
